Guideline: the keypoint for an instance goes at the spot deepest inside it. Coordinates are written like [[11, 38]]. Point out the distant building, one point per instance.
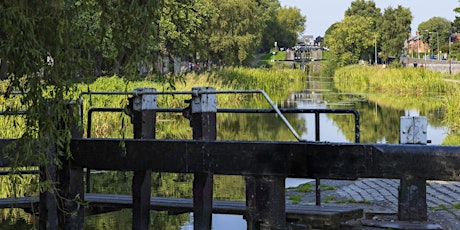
[[308, 40], [416, 46]]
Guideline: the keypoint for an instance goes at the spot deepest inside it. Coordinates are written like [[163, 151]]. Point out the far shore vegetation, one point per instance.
[[414, 86]]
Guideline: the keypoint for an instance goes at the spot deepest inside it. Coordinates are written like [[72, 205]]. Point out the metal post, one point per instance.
[[412, 204], [203, 108], [144, 122], [317, 180]]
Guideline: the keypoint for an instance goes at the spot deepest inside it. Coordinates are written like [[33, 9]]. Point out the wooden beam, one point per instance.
[[144, 122], [203, 108], [292, 159]]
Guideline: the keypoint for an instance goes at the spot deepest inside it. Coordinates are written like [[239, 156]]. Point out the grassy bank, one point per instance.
[[412, 81], [409, 85], [277, 84]]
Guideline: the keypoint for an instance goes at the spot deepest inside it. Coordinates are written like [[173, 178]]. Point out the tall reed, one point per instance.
[[415, 81], [405, 84]]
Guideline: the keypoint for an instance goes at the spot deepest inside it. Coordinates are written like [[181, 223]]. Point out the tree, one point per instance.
[[351, 39], [368, 9], [184, 29], [365, 8], [456, 25], [46, 44], [290, 24], [236, 30], [394, 31], [457, 10], [272, 25], [435, 30]]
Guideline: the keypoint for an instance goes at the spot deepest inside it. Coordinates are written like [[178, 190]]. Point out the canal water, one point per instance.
[[379, 124]]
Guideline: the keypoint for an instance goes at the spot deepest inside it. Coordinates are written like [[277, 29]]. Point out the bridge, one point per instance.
[[265, 165]]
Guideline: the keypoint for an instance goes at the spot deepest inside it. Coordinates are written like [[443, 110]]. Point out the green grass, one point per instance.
[[295, 198], [329, 199], [402, 81], [310, 187], [353, 201], [276, 84], [268, 60], [307, 187], [401, 88]]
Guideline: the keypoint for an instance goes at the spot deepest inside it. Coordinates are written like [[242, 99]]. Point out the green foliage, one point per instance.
[[308, 187], [351, 40], [435, 30], [394, 31], [353, 201], [295, 198], [290, 23], [46, 45], [184, 28], [265, 60], [456, 24], [329, 199], [452, 105], [402, 89], [413, 81], [452, 139], [364, 8], [364, 29], [236, 30]]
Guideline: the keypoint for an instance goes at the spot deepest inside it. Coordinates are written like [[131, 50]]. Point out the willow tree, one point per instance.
[[45, 45]]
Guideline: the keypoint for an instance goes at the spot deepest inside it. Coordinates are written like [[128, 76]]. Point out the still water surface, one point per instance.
[[379, 124]]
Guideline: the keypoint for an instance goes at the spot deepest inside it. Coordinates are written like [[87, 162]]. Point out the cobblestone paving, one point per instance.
[[443, 198]]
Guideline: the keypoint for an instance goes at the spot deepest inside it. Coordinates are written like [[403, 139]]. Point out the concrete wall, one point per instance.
[[443, 66]]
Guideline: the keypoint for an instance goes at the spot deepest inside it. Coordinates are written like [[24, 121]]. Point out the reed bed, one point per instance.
[[413, 81], [408, 85], [277, 84]]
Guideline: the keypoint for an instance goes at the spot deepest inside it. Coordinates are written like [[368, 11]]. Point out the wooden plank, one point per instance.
[[184, 205], [314, 215], [292, 159], [302, 160]]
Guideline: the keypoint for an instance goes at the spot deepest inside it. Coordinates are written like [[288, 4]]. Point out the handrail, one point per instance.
[[265, 95], [272, 104]]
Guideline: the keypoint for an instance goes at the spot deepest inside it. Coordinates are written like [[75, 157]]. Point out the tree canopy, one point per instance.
[[351, 39], [46, 45], [365, 29], [435, 30], [394, 31]]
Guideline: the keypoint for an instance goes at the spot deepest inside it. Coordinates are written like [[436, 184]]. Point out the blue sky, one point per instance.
[[323, 13]]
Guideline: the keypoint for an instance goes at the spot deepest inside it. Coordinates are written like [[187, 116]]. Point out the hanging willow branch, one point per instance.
[[46, 45]]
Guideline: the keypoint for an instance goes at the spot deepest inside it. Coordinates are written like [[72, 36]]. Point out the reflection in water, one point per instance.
[[379, 124]]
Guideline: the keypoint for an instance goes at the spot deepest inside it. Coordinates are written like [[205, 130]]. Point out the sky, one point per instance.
[[322, 14]]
